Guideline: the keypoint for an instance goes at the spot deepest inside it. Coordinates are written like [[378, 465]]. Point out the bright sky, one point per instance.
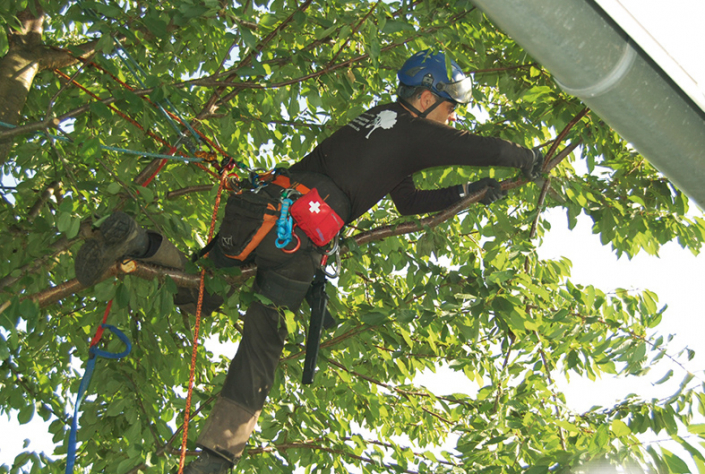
[[677, 277]]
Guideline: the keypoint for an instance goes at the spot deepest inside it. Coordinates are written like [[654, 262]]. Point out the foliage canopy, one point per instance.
[[267, 80]]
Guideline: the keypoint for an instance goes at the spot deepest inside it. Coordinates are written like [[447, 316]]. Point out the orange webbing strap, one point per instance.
[[269, 220], [285, 182], [199, 307]]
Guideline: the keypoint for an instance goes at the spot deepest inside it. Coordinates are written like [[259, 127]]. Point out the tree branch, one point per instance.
[[188, 190], [43, 198], [208, 108], [311, 445], [29, 128]]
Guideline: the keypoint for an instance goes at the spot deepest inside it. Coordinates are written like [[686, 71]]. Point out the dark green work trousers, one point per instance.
[[284, 279]]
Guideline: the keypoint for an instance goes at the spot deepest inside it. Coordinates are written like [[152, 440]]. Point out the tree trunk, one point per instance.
[[18, 69], [26, 56]]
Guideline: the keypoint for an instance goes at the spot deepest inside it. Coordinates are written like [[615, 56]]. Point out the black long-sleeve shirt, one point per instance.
[[377, 153]]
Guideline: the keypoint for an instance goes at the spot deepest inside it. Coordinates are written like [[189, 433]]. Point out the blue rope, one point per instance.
[[83, 387], [134, 67], [285, 224], [117, 149], [127, 60]]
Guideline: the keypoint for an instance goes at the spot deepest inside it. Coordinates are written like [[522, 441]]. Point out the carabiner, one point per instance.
[[298, 243], [336, 272], [284, 225], [335, 247]]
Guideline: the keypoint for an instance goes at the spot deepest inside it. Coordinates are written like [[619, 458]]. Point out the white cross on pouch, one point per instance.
[[314, 206]]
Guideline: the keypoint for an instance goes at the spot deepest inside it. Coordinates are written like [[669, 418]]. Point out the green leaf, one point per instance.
[[395, 26], [291, 325], [250, 39], [155, 25], [101, 110], [665, 378], [619, 428], [374, 318], [122, 296], [91, 148], [325, 33], [114, 188], [105, 44], [25, 414], [74, 228], [697, 429], [675, 464], [536, 93], [4, 350]]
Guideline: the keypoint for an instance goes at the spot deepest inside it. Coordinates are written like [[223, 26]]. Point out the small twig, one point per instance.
[[188, 190], [42, 199], [353, 33], [544, 359], [64, 86], [130, 193]]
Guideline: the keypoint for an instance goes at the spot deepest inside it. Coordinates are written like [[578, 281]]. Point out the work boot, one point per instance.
[[118, 236], [208, 463]]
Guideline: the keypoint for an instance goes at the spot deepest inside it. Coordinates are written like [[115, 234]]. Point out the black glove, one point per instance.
[[535, 168], [494, 190]]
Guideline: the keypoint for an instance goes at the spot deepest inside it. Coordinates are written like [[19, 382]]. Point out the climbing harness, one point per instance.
[[94, 354]]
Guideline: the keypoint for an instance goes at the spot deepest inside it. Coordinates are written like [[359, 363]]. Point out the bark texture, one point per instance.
[[26, 56]]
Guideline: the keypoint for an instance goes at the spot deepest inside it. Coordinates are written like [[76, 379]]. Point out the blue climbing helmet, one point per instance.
[[428, 69]]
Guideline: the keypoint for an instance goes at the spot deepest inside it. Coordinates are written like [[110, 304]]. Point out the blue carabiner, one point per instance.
[[284, 225]]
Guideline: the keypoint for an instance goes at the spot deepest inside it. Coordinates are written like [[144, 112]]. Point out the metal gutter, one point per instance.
[[591, 58]]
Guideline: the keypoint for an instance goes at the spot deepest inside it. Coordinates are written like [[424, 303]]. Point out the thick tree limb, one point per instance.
[[29, 128], [27, 56], [149, 272]]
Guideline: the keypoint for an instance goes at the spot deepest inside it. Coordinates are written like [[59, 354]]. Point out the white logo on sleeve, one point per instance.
[[314, 207], [386, 119]]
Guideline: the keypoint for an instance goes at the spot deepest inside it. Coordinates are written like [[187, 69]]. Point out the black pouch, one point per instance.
[[248, 219]]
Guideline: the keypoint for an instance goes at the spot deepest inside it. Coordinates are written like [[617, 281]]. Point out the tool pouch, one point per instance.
[[248, 219], [316, 218]]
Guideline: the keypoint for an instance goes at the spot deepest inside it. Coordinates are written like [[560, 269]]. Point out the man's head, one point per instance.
[[425, 85]]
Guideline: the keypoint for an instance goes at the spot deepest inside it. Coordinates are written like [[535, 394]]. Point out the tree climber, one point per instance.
[[374, 155]]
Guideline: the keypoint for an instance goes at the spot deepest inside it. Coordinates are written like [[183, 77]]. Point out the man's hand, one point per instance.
[[535, 168], [494, 191]]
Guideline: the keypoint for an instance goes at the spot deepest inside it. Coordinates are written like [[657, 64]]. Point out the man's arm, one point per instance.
[[409, 200]]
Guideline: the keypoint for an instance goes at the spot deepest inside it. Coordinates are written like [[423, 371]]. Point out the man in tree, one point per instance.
[[375, 155]]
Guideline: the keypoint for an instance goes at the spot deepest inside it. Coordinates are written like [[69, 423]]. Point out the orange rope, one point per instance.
[[134, 122], [173, 116], [199, 307]]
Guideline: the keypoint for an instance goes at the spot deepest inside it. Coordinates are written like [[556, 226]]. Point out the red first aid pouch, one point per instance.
[[316, 218]]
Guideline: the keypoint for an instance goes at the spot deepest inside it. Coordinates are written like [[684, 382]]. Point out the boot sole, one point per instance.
[[96, 256]]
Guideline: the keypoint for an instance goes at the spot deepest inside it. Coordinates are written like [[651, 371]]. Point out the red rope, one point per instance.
[[134, 122], [172, 115], [99, 331], [199, 307]]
